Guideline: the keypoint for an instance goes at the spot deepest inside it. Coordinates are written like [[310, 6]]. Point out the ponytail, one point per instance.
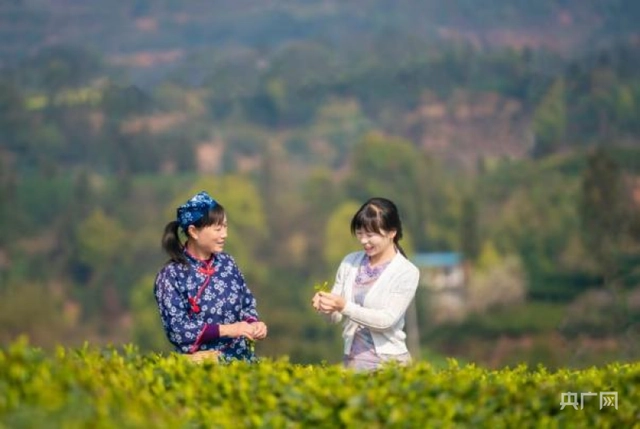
[[171, 243]]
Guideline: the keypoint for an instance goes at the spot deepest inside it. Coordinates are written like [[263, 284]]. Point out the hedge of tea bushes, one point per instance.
[[108, 388]]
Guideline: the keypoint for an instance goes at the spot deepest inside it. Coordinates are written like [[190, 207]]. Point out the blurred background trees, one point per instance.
[[496, 141]]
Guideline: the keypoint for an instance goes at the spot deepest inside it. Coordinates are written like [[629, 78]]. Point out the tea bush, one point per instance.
[[92, 387]]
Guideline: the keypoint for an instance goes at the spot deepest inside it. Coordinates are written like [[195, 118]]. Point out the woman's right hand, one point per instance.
[[315, 301], [238, 329], [329, 302]]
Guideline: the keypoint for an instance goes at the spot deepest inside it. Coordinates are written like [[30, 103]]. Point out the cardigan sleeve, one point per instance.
[[401, 290], [183, 331], [338, 289]]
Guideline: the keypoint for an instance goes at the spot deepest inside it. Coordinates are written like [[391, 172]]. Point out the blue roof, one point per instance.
[[437, 259]]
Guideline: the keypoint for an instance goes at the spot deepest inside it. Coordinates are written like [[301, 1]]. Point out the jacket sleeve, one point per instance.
[[248, 304], [338, 289], [183, 331], [401, 290]]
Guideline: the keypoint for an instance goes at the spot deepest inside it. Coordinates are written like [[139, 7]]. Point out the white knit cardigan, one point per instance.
[[384, 307]]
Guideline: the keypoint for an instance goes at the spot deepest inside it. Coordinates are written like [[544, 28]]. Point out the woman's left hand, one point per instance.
[[329, 302], [259, 330]]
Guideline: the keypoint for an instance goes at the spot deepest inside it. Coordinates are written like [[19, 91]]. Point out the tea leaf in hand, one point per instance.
[[322, 287]]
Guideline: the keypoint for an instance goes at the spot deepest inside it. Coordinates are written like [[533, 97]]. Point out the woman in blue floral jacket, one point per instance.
[[202, 296]]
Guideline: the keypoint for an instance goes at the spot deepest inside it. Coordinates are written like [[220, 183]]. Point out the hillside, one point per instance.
[[148, 37]]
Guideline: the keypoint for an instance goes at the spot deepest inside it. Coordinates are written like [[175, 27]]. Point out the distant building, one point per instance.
[[443, 276], [440, 270]]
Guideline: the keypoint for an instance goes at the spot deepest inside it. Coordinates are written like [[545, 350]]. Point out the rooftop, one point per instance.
[[437, 259]]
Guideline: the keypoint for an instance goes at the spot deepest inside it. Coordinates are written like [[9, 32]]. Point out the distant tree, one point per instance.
[[469, 240], [550, 121], [603, 209], [127, 153], [603, 95], [232, 77], [99, 239], [533, 213], [15, 121], [8, 178], [322, 195], [275, 184], [304, 63], [140, 8], [146, 329], [73, 214], [120, 102], [57, 67], [499, 283], [339, 124], [338, 237], [16, 304], [394, 168], [488, 256], [48, 146]]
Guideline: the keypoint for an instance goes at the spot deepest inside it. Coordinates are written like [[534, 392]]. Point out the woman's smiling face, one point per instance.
[[375, 243], [209, 239], [213, 237]]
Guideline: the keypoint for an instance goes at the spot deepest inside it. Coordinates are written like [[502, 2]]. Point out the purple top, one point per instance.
[[363, 349]]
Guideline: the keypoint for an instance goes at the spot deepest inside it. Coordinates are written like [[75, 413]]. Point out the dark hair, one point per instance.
[[377, 215], [171, 242]]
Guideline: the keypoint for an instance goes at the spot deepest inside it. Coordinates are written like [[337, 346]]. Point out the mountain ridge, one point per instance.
[[142, 34]]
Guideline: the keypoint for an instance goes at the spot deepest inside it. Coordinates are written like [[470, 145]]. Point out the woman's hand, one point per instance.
[[239, 329], [326, 302], [259, 330], [315, 301]]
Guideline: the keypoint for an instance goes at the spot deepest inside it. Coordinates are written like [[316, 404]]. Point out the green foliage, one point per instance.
[[488, 257], [147, 329], [39, 197], [604, 210], [339, 240], [17, 300], [602, 314], [99, 240], [123, 388], [550, 120], [13, 116], [535, 216], [342, 119], [514, 320], [394, 168], [63, 66], [469, 234]]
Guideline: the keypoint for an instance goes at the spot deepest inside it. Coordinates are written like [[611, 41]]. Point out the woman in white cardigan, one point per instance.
[[373, 290]]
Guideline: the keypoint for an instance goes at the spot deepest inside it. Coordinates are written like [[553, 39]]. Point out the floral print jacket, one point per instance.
[[194, 299]]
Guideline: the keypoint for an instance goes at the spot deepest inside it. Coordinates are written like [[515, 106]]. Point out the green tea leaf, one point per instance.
[[322, 287]]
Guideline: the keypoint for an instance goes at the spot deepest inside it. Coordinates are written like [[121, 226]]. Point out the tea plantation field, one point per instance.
[[92, 387]]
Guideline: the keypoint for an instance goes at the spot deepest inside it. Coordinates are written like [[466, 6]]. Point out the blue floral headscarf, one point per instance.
[[194, 209]]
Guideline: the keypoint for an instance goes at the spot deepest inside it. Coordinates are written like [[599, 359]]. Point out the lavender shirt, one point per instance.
[[363, 354]]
